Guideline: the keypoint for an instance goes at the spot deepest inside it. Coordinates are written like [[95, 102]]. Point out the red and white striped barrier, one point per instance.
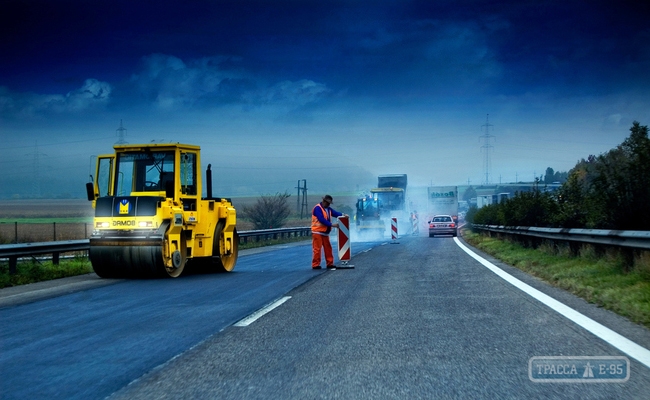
[[414, 225], [393, 229], [344, 238]]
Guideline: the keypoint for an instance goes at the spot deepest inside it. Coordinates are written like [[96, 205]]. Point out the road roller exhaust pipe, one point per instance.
[[208, 181]]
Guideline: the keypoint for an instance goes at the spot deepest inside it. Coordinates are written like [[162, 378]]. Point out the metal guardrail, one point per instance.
[[276, 233], [628, 239], [15, 251]]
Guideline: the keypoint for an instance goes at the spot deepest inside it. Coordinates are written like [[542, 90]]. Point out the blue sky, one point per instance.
[[335, 92]]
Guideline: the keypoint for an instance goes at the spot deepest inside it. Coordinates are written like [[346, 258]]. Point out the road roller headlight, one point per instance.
[[100, 225], [145, 224]]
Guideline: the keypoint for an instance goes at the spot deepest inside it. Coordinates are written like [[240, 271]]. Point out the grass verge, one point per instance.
[[600, 279], [37, 271]]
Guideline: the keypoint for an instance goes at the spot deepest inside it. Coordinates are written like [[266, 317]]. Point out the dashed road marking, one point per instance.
[[261, 312]]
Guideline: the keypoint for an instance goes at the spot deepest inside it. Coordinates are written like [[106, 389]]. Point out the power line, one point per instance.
[[486, 146], [121, 133]]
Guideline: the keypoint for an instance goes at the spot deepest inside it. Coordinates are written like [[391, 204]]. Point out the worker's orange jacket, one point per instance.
[[321, 219]]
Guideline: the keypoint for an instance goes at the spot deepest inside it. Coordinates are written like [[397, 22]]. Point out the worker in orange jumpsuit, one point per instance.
[[321, 225]]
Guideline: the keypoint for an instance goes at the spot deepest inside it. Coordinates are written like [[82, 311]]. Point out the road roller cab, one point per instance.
[[151, 218]]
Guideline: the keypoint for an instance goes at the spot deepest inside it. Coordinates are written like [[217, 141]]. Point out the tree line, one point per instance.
[[609, 191]]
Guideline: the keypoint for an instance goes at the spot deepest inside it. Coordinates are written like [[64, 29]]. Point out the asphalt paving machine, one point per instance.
[[368, 217], [387, 200], [150, 216]]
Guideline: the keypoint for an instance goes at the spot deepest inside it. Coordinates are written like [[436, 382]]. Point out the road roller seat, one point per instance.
[[166, 177]]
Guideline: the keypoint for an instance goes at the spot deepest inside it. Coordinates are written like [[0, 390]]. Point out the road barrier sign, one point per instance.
[[415, 228], [393, 229], [344, 241]]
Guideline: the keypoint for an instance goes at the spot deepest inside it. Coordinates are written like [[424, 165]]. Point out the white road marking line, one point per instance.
[[259, 313], [622, 343]]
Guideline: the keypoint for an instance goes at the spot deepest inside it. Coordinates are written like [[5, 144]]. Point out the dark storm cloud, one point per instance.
[[170, 82], [378, 48], [93, 94], [574, 47]]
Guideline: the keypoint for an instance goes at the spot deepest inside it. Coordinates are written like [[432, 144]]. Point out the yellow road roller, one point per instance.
[[150, 217]]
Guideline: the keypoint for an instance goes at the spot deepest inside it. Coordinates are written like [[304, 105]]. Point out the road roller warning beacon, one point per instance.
[[150, 216]]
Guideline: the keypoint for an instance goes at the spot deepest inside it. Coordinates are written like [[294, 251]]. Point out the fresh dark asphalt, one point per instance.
[[417, 319]]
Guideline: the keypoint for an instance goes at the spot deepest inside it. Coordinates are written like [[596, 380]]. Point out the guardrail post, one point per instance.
[[628, 256], [12, 265], [55, 258]]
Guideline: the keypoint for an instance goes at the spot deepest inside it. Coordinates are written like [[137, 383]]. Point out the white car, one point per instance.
[[442, 225]]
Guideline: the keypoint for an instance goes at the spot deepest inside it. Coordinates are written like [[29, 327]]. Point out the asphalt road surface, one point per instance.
[[414, 319]]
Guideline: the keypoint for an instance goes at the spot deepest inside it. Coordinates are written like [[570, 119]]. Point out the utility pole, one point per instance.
[[121, 133], [304, 198], [298, 198], [486, 147], [301, 206]]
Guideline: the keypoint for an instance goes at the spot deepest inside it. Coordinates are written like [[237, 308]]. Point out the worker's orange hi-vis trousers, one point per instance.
[[318, 242]]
